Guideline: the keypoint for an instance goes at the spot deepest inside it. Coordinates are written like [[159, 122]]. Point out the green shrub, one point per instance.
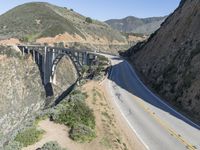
[[13, 145], [88, 20], [103, 58], [9, 52], [29, 38], [29, 136], [85, 69], [74, 112], [24, 39], [61, 44], [82, 133], [77, 95], [52, 145]]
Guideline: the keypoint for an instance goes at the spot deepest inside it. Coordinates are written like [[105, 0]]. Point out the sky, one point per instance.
[[107, 9]]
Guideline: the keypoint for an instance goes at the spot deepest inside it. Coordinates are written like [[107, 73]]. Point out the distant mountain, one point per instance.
[[32, 21], [136, 25]]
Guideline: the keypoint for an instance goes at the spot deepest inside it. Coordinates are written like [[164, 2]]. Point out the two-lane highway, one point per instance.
[[158, 126]]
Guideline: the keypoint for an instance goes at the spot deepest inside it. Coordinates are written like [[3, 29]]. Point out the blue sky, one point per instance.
[[107, 9]]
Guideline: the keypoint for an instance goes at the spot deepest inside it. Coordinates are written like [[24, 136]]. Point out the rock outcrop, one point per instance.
[[170, 60], [21, 93], [66, 75]]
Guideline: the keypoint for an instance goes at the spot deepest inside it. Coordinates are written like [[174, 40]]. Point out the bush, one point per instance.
[[9, 52], [103, 58], [78, 96], [61, 44], [52, 145], [13, 145], [82, 133], [29, 136], [88, 20], [73, 113], [85, 69]]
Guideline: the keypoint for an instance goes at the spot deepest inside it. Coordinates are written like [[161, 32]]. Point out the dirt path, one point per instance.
[[111, 133]]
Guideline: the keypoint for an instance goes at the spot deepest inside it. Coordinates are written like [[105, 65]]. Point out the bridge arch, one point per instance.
[[49, 57]]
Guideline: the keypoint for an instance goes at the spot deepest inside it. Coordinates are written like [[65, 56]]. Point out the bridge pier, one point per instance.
[[34, 59], [23, 51]]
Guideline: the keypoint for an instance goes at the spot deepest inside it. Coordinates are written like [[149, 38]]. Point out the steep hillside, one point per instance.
[[21, 93], [47, 23], [170, 60], [136, 25]]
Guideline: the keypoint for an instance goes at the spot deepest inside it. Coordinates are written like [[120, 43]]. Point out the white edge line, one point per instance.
[[159, 98], [147, 147]]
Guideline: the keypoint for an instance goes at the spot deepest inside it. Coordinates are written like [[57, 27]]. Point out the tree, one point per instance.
[[88, 20]]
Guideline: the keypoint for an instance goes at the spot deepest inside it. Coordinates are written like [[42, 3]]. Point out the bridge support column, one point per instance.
[[23, 51], [28, 51], [47, 65], [78, 57], [54, 55], [84, 58], [34, 59], [53, 79], [38, 58]]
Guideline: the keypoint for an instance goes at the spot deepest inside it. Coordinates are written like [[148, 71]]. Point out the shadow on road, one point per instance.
[[127, 79]]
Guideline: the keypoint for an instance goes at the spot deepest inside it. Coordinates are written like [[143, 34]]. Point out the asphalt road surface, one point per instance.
[[157, 125]]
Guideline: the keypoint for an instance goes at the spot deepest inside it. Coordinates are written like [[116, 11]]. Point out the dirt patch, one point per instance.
[[132, 38], [11, 41], [3, 57], [70, 38]]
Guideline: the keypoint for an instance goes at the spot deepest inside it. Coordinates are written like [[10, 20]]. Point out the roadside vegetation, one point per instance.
[[29, 136], [74, 113], [97, 70], [52, 145], [9, 52]]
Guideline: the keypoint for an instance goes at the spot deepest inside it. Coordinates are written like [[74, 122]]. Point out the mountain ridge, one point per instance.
[[132, 24]]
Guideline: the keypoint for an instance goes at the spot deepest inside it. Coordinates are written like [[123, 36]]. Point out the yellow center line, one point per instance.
[[167, 127]]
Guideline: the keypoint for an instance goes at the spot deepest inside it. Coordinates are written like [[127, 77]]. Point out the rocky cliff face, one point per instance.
[[21, 92], [170, 59], [66, 75]]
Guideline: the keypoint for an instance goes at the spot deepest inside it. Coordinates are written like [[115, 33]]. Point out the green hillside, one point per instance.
[[33, 20], [136, 25]]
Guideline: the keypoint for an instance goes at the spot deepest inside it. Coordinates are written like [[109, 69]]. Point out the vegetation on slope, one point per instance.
[[29, 136], [136, 25], [52, 145], [74, 113], [34, 20]]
